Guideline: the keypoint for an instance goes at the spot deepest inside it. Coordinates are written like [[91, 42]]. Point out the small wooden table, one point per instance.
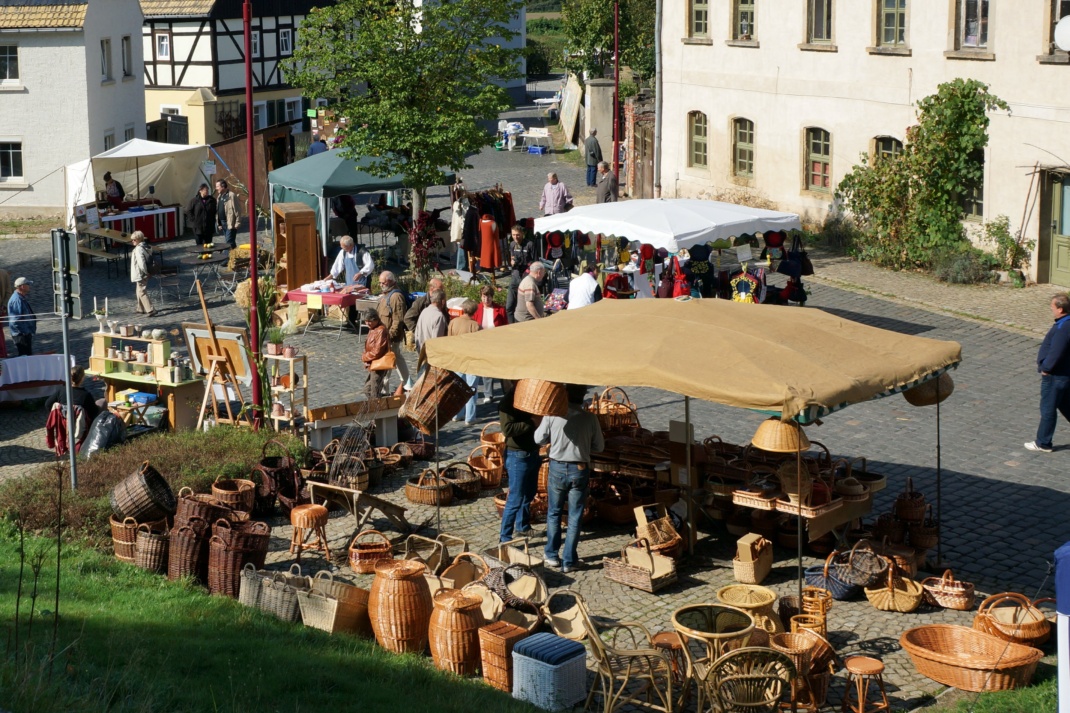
[[132, 414], [359, 504]]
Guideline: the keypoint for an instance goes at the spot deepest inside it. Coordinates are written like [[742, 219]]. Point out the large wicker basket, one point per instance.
[[144, 496], [486, 462], [614, 409], [542, 398], [931, 392], [1012, 617], [428, 489], [968, 659], [236, 493], [192, 504], [436, 397]]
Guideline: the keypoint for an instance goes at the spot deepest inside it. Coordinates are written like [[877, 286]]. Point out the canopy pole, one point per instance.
[[799, 526], [939, 514], [438, 471], [690, 485]]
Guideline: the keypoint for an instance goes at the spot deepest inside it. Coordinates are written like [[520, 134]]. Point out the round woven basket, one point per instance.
[[428, 489], [144, 495], [776, 436], [400, 606], [486, 462], [542, 398], [925, 394], [236, 493]]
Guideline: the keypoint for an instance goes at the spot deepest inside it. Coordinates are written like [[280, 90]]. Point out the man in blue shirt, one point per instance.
[[21, 318], [1053, 363]]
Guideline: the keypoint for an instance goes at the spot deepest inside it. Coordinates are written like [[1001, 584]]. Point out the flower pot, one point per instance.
[[272, 349]]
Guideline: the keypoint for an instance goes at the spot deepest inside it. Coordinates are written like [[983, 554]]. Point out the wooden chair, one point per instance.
[[751, 680], [631, 672]]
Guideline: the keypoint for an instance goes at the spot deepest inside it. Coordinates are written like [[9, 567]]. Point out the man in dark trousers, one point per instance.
[[593, 152], [606, 192], [522, 462], [201, 212], [1053, 363], [21, 319], [521, 255]]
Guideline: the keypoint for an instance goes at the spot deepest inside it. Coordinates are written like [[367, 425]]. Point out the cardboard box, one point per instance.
[[747, 547]]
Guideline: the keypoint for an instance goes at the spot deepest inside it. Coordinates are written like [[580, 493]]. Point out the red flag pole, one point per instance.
[[254, 322]]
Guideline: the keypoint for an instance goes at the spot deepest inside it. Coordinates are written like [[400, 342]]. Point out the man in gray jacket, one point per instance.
[[140, 259], [593, 151], [607, 185]]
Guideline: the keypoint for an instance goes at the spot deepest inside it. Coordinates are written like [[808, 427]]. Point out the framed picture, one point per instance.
[[233, 341]]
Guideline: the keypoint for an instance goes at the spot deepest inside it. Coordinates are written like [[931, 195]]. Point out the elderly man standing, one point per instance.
[[529, 304], [466, 325], [140, 258], [391, 310], [572, 441], [228, 214], [593, 152], [352, 265], [21, 319], [421, 303], [555, 196], [433, 322], [607, 185], [1053, 363]]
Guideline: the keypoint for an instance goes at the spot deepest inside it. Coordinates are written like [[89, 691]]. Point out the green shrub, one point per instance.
[[544, 55], [545, 26], [841, 234], [962, 265], [1010, 252]]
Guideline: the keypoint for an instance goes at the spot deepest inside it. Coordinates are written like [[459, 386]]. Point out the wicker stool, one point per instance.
[[549, 671], [312, 518], [861, 670]]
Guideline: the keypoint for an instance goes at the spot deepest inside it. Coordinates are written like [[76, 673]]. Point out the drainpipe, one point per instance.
[[657, 98]]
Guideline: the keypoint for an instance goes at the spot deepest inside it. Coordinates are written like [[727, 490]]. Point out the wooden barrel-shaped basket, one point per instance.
[[144, 495], [124, 536], [487, 463], [454, 631], [150, 552], [400, 606], [542, 398], [428, 489], [931, 392], [365, 553], [187, 552], [235, 493], [436, 397], [191, 505]]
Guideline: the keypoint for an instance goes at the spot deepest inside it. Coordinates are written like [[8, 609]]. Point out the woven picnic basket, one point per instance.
[[435, 398], [1012, 617], [860, 566], [494, 439], [453, 631], [487, 463], [187, 554], [614, 409], [465, 481], [235, 493], [969, 659], [428, 489], [404, 451], [150, 552], [400, 606], [897, 593], [199, 505], [947, 592], [910, 504], [143, 495], [365, 553], [828, 577], [542, 398]]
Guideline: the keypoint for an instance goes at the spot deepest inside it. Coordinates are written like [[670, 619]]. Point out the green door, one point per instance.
[[1059, 272]]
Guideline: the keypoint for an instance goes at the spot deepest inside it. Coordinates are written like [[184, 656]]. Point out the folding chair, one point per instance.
[[227, 282], [168, 285]]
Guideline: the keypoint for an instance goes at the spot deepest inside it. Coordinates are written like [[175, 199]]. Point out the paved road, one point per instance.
[[1003, 508]]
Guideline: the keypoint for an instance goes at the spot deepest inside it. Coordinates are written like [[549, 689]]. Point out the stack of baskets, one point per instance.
[[614, 409], [232, 546], [910, 524], [142, 499]]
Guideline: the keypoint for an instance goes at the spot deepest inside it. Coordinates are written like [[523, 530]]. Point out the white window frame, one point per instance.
[[17, 79], [982, 5], [162, 51], [287, 34], [15, 140], [296, 104], [128, 56], [170, 110], [260, 123], [106, 74], [129, 132], [109, 139], [819, 9], [256, 43]]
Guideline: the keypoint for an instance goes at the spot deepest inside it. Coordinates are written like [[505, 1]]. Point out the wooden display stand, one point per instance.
[[292, 393], [297, 253], [152, 375]]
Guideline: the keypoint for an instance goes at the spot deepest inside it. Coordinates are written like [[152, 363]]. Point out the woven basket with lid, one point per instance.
[[756, 601], [400, 606], [453, 631]]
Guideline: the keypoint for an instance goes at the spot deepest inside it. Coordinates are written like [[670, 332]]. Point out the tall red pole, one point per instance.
[[254, 322], [615, 163]]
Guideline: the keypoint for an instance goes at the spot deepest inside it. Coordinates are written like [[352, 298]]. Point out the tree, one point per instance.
[[910, 204], [412, 79], [588, 25]]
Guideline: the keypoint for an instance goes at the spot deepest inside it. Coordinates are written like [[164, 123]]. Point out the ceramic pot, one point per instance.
[[289, 352]]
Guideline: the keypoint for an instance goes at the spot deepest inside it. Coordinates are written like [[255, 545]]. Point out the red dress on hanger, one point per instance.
[[490, 252]]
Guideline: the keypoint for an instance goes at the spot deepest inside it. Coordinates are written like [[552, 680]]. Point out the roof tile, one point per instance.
[[172, 8], [14, 17]]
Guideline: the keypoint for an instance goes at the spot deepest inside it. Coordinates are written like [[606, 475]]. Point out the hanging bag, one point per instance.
[[680, 285], [797, 254]]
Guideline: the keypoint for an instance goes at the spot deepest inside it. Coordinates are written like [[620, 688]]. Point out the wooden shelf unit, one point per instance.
[[294, 394], [297, 251], [153, 370]]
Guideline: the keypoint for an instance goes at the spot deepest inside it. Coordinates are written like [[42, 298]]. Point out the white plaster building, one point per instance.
[[781, 97], [71, 86]]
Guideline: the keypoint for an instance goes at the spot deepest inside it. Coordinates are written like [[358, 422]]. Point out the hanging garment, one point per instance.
[[470, 233], [490, 255], [457, 220]]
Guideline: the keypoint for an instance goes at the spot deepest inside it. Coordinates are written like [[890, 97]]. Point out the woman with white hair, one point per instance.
[[140, 259]]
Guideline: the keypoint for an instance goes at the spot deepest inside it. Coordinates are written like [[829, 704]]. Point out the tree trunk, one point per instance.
[[419, 200]]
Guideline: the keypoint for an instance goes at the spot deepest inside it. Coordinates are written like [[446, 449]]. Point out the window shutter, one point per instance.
[[306, 123], [271, 116]]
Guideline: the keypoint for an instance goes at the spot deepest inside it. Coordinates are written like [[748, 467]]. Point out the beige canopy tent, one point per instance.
[[798, 363]]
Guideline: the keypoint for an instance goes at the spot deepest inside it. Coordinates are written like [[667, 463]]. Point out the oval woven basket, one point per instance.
[[948, 592], [465, 481], [1012, 617], [925, 394], [968, 659], [365, 554], [428, 489], [436, 397], [487, 463], [235, 493], [896, 593], [144, 495], [542, 398]]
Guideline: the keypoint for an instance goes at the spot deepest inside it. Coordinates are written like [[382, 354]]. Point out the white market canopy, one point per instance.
[[175, 171], [670, 223]]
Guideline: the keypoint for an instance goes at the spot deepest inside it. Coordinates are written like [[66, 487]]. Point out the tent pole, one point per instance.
[[690, 486], [798, 523], [939, 514], [137, 170]]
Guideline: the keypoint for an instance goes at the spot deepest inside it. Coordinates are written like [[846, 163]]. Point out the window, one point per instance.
[[743, 148], [700, 18], [819, 22], [293, 110], [163, 46], [743, 20], [886, 147], [973, 200], [285, 42], [105, 59], [109, 139], [259, 115], [973, 23], [696, 134], [10, 161], [893, 23], [128, 133], [169, 110], [818, 160], [256, 43], [9, 64], [128, 57]]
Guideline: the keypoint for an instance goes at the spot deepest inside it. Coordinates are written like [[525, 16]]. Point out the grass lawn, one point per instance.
[[132, 641], [30, 226]]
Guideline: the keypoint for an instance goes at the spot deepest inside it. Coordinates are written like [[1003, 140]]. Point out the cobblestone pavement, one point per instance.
[[1003, 508]]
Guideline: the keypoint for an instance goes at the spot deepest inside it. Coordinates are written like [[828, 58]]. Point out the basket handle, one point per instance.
[[486, 453], [456, 464], [996, 599], [492, 423], [910, 486], [295, 570], [186, 531], [197, 524], [947, 578], [522, 541], [259, 528], [828, 561], [397, 448], [643, 546], [145, 527], [371, 532], [223, 523], [412, 543], [280, 444], [611, 394], [322, 574], [182, 491], [825, 455], [220, 477], [249, 567], [856, 459], [428, 473], [474, 559], [129, 519]]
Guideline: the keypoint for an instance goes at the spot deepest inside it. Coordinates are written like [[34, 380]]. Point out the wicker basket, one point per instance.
[[889, 528], [453, 632], [150, 552], [224, 568], [640, 568], [432, 553], [400, 606], [467, 567], [435, 398], [404, 451], [860, 566], [496, 652], [335, 606], [494, 440], [187, 554], [910, 505], [365, 554], [926, 393], [279, 598], [817, 623], [828, 577], [428, 489], [422, 448], [487, 463], [517, 586], [618, 507], [349, 471], [236, 493], [614, 409], [904, 557], [968, 659], [542, 398], [795, 482], [797, 647], [391, 463], [249, 535], [897, 593], [465, 481], [124, 536], [276, 473], [512, 552], [755, 571], [1012, 617], [948, 592], [192, 505], [925, 533], [144, 496]]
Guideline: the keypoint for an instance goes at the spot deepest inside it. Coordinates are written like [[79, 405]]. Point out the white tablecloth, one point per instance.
[[47, 367]]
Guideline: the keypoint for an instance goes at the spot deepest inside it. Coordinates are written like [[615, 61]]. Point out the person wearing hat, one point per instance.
[[584, 290], [21, 319], [113, 190], [376, 348], [140, 259]]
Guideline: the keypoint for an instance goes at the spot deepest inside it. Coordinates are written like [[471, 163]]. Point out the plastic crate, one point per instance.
[[539, 150], [549, 671]]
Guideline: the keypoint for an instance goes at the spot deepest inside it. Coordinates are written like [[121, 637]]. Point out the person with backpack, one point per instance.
[[391, 309]]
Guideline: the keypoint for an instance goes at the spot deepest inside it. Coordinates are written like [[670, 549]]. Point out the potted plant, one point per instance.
[[273, 338]]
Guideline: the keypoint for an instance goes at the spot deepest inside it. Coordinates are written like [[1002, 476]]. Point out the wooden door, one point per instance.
[[643, 163], [1059, 262]]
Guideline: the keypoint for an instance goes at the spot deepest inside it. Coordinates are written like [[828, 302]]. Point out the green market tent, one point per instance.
[[317, 179]]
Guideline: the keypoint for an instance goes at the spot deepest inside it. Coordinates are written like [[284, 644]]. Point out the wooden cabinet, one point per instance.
[[297, 253]]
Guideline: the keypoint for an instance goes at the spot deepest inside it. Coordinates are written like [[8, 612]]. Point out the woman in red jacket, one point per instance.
[[489, 315]]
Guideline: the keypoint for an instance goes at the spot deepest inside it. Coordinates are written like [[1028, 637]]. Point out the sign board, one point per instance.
[[57, 283], [209, 168], [570, 108], [310, 113], [744, 254], [76, 301], [92, 216], [72, 250]]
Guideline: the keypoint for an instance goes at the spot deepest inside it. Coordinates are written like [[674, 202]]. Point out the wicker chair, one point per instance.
[[751, 680], [707, 631], [630, 670]]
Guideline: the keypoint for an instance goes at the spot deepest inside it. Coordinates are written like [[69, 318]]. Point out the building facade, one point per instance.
[[70, 87], [780, 99]]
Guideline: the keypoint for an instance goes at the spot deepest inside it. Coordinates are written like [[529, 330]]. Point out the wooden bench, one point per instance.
[[110, 259]]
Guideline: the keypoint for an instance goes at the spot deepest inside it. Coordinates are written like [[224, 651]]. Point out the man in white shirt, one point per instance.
[[352, 265], [584, 290]]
